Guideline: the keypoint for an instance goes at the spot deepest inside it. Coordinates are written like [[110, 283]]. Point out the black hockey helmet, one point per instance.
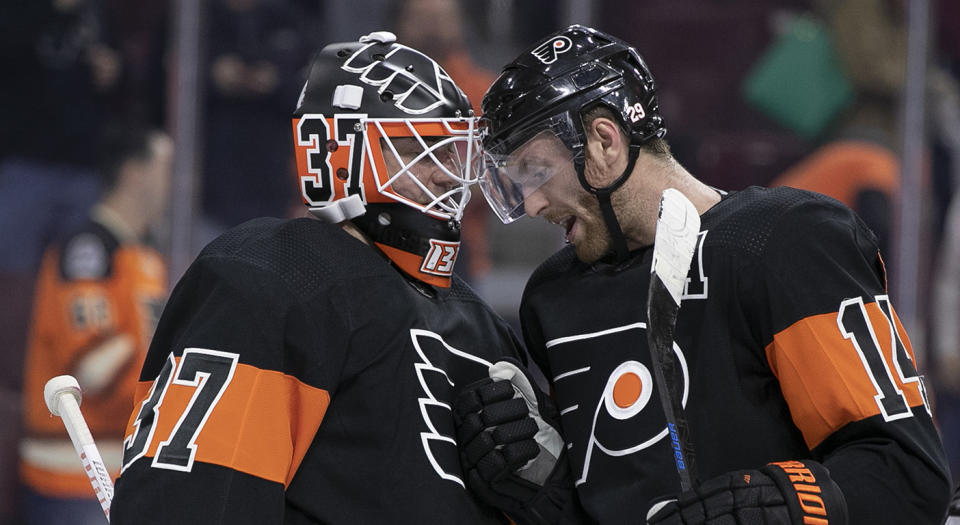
[[371, 116], [548, 88]]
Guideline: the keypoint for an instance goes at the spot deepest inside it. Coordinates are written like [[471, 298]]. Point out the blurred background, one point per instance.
[[854, 98]]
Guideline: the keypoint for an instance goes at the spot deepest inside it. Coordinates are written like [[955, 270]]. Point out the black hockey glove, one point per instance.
[[953, 516], [511, 451], [784, 493]]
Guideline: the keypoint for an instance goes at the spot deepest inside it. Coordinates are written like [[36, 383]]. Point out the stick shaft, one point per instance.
[[87, 450], [660, 330], [678, 226]]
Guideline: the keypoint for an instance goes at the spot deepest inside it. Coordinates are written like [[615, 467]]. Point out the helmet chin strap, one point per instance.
[[620, 251]]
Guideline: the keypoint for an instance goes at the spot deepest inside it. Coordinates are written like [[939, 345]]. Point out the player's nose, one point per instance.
[[438, 181], [535, 203]]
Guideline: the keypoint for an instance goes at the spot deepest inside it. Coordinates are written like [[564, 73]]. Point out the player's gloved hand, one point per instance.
[[953, 516], [784, 493], [511, 451]]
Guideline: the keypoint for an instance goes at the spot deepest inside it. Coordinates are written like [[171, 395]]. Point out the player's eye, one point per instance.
[[535, 179]]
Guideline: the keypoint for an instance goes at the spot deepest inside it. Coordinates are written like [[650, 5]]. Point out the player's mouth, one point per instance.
[[567, 223]]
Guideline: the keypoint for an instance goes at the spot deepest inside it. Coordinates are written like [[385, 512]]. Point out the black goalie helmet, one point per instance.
[[385, 138], [546, 90]]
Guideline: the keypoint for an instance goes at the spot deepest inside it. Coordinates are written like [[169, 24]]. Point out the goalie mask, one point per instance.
[[384, 138], [546, 90]]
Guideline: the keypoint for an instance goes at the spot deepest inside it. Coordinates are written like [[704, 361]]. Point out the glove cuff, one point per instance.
[[811, 496], [555, 503]]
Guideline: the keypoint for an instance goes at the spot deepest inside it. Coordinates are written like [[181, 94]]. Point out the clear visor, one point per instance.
[[431, 167], [511, 174]]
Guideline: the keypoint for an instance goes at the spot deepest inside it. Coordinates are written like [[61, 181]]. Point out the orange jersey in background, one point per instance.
[[98, 297], [845, 168]]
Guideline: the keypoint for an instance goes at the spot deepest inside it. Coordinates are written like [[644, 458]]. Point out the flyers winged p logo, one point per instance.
[[547, 52], [441, 369], [614, 396]]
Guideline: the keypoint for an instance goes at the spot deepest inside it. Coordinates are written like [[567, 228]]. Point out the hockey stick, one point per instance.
[[677, 228], [62, 394]]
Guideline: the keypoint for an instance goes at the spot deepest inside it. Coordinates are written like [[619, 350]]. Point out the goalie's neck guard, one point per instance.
[[421, 246]]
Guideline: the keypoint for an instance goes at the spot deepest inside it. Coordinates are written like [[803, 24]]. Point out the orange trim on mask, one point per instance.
[[411, 264]]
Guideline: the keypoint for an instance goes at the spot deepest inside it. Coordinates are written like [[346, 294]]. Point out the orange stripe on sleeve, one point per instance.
[[823, 378], [262, 425]]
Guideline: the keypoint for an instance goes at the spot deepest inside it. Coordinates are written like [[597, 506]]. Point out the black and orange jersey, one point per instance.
[[98, 296], [789, 348], [297, 377]]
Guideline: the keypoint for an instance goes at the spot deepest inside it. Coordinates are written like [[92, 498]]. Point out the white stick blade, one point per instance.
[[676, 239]]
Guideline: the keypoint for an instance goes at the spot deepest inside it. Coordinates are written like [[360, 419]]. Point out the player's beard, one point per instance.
[[596, 241]]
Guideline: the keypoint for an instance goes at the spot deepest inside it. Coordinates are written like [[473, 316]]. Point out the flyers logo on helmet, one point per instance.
[[409, 92], [439, 260], [548, 51]]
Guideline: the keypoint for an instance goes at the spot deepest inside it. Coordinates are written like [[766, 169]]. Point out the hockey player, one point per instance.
[[799, 383], [303, 370]]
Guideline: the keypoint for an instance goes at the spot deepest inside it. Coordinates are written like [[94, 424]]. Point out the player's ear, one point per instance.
[[606, 146]]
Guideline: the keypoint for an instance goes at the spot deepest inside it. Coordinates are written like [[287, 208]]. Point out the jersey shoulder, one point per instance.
[[560, 265], [755, 219], [86, 253], [265, 290], [306, 255], [461, 292]]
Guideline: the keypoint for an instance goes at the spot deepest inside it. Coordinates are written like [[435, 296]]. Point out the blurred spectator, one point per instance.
[[713, 131], [435, 27], [858, 162], [98, 296], [860, 173], [58, 68], [254, 50], [140, 30]]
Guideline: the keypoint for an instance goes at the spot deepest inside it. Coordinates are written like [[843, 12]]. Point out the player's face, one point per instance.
[[561, 199], [429, 180]]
